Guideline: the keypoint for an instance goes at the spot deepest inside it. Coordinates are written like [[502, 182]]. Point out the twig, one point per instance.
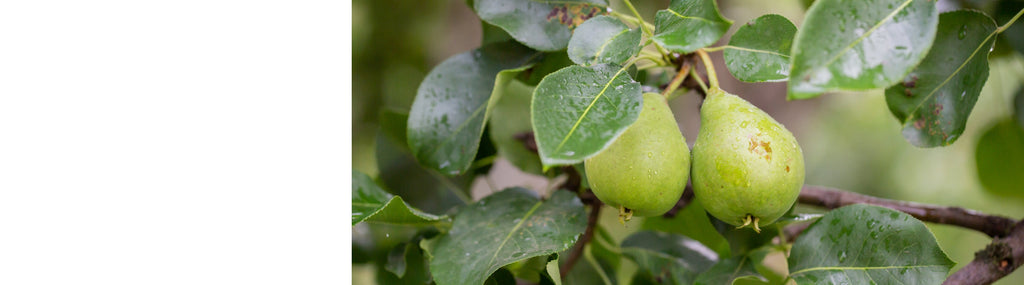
[[998, 259], [994, 226], [588, 234], [683, 201]]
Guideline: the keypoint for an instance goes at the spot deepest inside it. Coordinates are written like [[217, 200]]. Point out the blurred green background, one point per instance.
[[850, 140]]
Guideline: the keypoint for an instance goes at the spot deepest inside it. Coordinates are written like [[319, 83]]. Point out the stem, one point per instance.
[[1007, 25], [693, 73], [709, 67], [639, 18], [676, 81], [634, 20], [714, 49], [998, 259]]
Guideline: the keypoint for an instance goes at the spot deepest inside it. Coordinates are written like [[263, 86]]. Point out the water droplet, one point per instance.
[[467, 254], [387, 235], [963, 32], [650, 154]]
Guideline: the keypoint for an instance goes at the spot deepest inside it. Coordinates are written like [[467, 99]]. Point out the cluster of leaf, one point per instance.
[[567, 75]]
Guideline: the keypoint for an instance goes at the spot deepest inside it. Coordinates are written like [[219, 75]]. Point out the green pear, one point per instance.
[[747, 168], [644, 171]]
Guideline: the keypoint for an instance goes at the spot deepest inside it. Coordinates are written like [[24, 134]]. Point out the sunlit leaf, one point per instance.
[[859, 45], [603, 39], [864, 244], [934, 101], [578, 111], [759, 50]]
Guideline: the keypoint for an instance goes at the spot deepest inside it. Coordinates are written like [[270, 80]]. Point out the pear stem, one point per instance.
[[676, 81], [700, 82], [709, 67]]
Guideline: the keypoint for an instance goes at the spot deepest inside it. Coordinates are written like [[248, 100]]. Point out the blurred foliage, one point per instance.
[[850, 140]]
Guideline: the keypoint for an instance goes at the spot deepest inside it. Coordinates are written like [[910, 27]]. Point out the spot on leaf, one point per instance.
[[572, 15]]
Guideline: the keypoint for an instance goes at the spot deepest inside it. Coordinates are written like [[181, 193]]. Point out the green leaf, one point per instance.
[[406, 262], [1014, 35], [578, 111], [859, 45], [688, 25], [396, 259], [552, 271], [759, 50], [673, 258], [541, 25], [731, 271], [1000, 159], [372, 204], [1018, 105], [511, 119], [862, 244], [455, 100], [551, 62], [501, 277], [934, 100], [503, 228], [393, 125], [693, 222], [743, 240], [603, 39]]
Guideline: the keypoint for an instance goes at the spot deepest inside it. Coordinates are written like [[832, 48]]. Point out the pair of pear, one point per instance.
[[746, 167]]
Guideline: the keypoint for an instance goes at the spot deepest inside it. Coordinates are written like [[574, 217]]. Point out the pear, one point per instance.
[[747, 168], [644, 171]]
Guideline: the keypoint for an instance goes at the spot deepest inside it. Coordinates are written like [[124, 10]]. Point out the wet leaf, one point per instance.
[[759, 50], [503, 228], [674, 259], [370, 203], [603, 39], [693, 222], [688, 25], [859, 45], [864, 244], [540, 25], [933, 101], [731, 271], [578, 111], [1000, 159], [454, 102]]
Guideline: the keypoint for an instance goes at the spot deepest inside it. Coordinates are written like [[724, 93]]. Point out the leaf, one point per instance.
[[578, 111], [693, 222], [603, 39], [729, 271], [552, 271], [455, 100], [396, 259], [674, 258], [759, 50], [501, 277], [934, 100], [393, 125], [421, 188], [743, 240], [372, 204], [859, 45], [1013, 35], [541, 25], [551, 62], [861, 244], [406, 262], [999, 157], [688, 25], [503, 228], [1018, 105], [511, 119]]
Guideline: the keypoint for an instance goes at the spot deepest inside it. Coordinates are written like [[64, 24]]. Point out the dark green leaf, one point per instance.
[[372, 204], [421, 188], [934, 100], [729, 271], [743, 240], [510, 122], [503, 228], [540, 25], [693, 222], [393, 124], [859, 45], [551, 62], [578, 111], [1014, 35], [603, 39], [1000, 159], [405, 264], [454, 101], [493, 34], [501, 277], [674, 259], [759, 50], [396, 259], [688, 25], [862, 244]]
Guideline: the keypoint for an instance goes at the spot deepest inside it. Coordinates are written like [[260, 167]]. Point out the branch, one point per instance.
[[998, 259], [994, 226], [588, 234]]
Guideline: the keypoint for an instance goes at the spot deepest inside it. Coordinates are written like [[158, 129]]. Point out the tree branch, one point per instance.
[[998, 259], [994, 226]]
